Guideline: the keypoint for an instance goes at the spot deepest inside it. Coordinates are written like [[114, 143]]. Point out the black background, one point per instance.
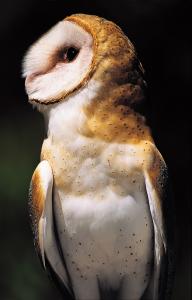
[[160, 31]]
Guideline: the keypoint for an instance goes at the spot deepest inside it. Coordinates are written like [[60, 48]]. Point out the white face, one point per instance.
[[58, 62]]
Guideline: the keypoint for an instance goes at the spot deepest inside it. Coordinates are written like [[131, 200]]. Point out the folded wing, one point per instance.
[[156, 181], [42, 217]]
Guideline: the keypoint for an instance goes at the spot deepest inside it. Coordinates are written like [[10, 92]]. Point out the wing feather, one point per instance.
[[41, 213], [156, 182]]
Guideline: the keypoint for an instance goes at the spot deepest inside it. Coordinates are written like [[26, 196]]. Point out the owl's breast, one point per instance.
[[105, 227]]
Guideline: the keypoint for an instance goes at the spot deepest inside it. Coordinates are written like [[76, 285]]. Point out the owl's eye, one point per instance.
[[69, 54]]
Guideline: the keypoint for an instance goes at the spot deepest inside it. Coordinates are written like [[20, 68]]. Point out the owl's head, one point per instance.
[[77, 50]]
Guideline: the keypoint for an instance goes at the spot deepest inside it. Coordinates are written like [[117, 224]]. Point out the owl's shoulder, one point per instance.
[[155, 166], [46, 149]]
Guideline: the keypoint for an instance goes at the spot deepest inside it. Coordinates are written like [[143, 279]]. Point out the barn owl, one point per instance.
[[97, 197]]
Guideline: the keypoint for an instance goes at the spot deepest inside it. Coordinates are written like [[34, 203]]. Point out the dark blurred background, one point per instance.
[[160, 31]]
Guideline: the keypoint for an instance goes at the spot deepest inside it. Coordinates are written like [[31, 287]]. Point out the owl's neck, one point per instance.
[[66, 120], [92, 114]]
